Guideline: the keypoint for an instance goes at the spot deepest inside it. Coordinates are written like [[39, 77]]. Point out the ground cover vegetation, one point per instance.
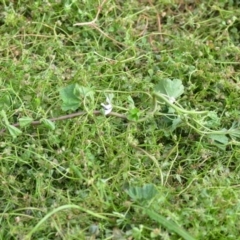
[[120, 119]]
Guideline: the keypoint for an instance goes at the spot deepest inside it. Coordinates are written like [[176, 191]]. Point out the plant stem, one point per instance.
[[69, 116], [178, 109]]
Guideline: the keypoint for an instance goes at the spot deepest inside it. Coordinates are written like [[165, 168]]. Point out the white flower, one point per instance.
[[107, 107], [172, 99]]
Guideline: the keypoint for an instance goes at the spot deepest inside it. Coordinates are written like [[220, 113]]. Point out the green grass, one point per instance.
[[152, 169]]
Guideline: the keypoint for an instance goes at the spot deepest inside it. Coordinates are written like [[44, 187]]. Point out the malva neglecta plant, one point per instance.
[[165, 92], [119, 120]]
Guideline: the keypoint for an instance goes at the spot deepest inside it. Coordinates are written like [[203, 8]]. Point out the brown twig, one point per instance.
[[158, 19], [69, 116]]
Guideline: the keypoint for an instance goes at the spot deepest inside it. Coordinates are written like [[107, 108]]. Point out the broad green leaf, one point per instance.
[[70, 105], [171, 88], [14, 131], [25, 121], [147, 192], [221, 138], [169, 225], [213, 120], [70, 100], [49, 124], [73, 95], [83, 92]]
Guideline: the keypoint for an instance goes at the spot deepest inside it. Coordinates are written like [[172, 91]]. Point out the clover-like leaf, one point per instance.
[[171, 88]]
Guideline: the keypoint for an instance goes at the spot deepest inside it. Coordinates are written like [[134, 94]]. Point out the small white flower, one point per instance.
[[172, 99], [107, 107]]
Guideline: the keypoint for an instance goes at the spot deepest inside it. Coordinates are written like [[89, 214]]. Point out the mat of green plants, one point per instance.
[[120, 119]]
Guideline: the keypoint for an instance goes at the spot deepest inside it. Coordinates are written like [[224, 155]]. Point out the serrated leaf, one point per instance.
[[14, 131], [25, 121], [70, 100], [172, 88], [48, 123]]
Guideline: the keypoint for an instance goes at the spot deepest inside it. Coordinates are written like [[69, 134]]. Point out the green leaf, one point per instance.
[[73, 96], [175, 123], [213, 120], [130, 102], [221, 138], [5, 101], [83, 92], [234, 133], [70, 100], [4, 116], [169, 225], [171, 88], [14, 131], [133, 114], [48, 123], [25, 121], [147, 192]]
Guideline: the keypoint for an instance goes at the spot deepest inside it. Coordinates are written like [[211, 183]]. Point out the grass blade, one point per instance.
[[70, 206], [169, 225]]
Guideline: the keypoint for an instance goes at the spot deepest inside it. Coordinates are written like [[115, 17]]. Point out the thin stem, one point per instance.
[[69, 116], [154, 160], [178, 109]]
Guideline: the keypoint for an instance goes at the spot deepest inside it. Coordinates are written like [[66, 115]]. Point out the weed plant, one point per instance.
[[120, 119]]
